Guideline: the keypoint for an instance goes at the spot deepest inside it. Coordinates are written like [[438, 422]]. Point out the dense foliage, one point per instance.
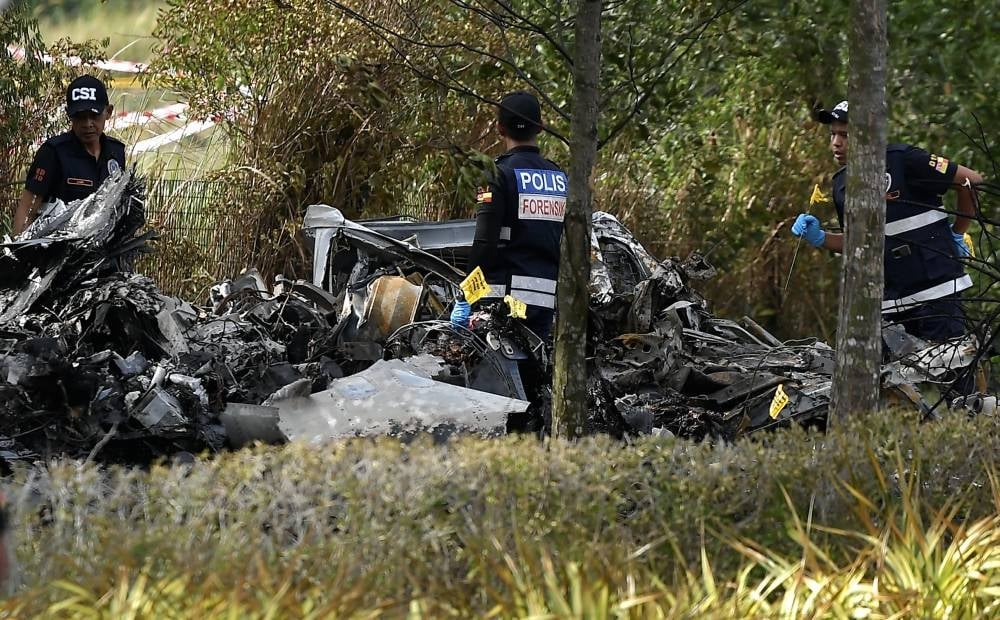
[[715, 154], [475, 526]]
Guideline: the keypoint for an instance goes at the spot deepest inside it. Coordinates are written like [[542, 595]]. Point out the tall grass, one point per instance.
[[127, 25]]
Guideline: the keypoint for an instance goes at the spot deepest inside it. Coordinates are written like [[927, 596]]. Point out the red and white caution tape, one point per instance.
[[123, 120], [152, 144], [128, 119], [117, 66]]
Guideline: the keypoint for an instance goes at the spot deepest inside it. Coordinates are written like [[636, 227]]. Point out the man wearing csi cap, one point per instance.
[[519, 218], [72, 165], [923, 273]]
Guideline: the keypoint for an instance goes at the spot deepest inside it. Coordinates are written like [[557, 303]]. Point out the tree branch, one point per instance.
[[531, 26], [387, 35], [697, 30]]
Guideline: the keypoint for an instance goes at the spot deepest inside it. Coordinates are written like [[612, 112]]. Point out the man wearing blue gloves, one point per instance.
[[923, 274], [519, 219]]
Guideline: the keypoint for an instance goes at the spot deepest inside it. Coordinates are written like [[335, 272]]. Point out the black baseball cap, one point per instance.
[[86, 94], [838, 113], [520, 110]]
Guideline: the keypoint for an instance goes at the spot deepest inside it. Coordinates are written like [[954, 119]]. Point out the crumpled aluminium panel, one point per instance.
[[395, 398], [326, 224], [92, 220]]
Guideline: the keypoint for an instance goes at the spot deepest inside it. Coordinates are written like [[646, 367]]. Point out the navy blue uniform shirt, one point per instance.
[[64, 169]]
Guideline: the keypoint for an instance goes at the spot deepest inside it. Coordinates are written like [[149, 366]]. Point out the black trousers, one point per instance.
[[937, 321]]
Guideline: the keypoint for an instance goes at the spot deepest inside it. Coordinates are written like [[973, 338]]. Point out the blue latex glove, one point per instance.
[[807, 227], [460, 313], [961, 250]]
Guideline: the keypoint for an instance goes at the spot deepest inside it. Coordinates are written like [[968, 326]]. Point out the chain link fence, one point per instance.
[[200, 239]]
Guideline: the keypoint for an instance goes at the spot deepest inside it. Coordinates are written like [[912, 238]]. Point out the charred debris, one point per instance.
[[96, 362]]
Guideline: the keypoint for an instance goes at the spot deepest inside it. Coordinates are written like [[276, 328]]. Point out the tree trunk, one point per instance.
[[859, 328], [569, 383]]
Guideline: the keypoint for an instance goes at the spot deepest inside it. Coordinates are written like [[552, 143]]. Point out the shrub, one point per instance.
[[317, 109], [467, 527]]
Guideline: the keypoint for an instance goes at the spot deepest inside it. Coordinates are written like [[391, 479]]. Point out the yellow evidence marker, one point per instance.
[[475, 286], [518, 309], [779, 402], [818, 197]]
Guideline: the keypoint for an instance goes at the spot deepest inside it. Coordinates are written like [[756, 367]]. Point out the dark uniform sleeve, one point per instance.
[[489, 220], [929, 172], [43, 173]]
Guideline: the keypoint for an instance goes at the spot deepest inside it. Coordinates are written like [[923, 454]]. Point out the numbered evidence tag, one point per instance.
[[518, 309], [475, 286], [779, 402], [818, 197], [967, 238]]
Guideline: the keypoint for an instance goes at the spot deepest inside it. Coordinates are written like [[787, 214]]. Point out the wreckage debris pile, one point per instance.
[[661, 362], [96, 361], [93, 357]]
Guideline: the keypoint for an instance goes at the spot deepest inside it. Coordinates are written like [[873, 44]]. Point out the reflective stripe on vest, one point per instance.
[[534, 298], [505, 233], [543, 285], [914, 222], [935, 292]]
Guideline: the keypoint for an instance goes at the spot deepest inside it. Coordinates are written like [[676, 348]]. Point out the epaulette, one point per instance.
[[502, 157], [897, 147], [115, 140]]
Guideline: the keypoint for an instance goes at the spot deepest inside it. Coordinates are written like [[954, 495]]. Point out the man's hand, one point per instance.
[[807, 227], [460, 313]]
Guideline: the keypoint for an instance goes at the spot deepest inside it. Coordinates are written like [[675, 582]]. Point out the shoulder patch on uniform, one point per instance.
[[484, 195], [113, 167], [938, 163]]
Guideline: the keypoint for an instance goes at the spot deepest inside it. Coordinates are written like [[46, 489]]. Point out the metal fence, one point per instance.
[[197, 241], [200, 238]]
